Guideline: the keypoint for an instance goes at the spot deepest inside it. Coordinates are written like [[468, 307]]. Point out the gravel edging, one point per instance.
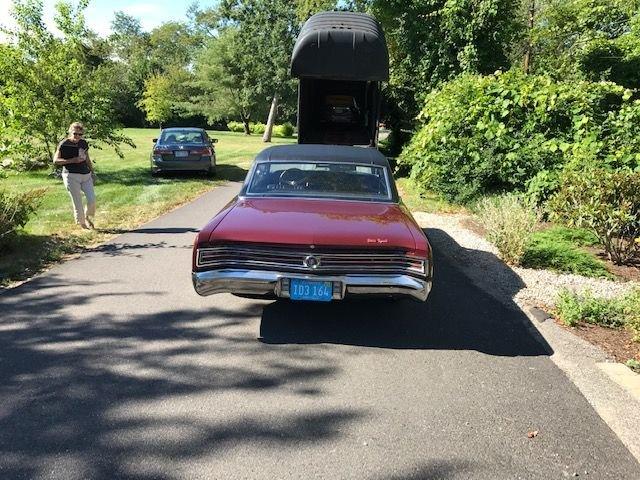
[[539, 287], [525, 289]]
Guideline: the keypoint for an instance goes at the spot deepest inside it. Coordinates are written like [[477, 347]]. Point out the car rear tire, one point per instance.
[[211, 172]]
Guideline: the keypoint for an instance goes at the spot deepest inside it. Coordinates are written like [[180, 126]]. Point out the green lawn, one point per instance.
[[418, 201], [127, 197]]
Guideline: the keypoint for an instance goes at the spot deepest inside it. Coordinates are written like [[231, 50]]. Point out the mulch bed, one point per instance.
[[622, 272], [617, 342]]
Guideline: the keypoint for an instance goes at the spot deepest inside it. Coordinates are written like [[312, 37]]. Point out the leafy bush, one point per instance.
[[623, 311], [542, 186], [573, 308], [258, 128], [493, 134], [607, 203], [32, 162], [235, 127], [284, 130], [16, 208], [509, 222], [558, 249]]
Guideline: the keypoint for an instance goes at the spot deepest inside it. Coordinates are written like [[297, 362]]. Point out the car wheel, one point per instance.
[[155, 173], [211, 172]]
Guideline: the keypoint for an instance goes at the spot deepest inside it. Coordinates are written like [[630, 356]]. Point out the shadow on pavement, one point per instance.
[[85, 394], [457, 316]]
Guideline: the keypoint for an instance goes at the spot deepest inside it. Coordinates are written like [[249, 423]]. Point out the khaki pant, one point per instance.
[[76, 184]]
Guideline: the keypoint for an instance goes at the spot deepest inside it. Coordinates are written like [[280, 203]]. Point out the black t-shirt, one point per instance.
[[69, 149]]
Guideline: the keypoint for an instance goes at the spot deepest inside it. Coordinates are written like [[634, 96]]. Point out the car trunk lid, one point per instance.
[[317, 222]]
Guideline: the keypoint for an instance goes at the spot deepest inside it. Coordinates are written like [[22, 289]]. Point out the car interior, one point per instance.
[[182, 137], [340, 179]]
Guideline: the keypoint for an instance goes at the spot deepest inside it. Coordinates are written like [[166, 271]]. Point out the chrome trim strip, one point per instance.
[[258, 282], [265, 257]]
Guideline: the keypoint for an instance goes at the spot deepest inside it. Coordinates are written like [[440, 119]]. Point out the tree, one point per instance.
[[593, 39], [245, 63], [224, 80], [306, 8], [165, 94], [432, 41], [268, 30], [48, 82]]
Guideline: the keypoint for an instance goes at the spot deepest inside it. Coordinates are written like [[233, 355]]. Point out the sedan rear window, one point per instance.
[[182, 136], [316, 179]]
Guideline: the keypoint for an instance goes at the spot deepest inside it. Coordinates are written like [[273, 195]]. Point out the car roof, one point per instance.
[[314, 153], [183, 129]]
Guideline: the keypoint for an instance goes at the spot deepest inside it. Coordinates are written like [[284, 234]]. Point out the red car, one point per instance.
[[315, 223]]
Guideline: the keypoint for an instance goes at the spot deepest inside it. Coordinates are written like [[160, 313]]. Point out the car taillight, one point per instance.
[[161, 151], [202, 151]]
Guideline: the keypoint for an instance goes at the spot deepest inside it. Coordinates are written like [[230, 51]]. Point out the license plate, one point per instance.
[[300, 289], [181, 153]]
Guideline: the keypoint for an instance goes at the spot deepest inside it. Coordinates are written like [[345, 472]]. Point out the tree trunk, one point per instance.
[[527, 52], [245, 124], [271, 121]]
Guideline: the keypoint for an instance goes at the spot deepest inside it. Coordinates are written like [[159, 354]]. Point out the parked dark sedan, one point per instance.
[[183, 149]]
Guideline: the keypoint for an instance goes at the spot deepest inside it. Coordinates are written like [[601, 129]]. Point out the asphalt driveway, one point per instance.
[[112, 367]]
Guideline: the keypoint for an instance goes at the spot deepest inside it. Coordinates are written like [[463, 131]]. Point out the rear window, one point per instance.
[[182, 136], [316, 179]]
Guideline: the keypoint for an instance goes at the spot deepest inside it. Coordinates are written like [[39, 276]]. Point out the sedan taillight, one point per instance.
[[202, 151], [162, 151]]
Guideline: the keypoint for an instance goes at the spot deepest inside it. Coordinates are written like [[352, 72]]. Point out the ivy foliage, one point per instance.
[[509, 131]]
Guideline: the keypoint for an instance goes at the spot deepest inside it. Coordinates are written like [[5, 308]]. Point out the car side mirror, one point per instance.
[[155, 140], [214, 140]]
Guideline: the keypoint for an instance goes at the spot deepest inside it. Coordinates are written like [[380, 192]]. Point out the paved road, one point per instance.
[[111, 367]]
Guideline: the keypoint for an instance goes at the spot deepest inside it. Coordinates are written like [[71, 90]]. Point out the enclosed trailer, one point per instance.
[[341, 58]]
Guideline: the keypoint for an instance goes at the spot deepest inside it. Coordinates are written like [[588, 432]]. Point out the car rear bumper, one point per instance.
[[183, 165], [258, 282]]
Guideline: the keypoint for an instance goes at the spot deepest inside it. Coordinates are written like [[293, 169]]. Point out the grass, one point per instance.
[[559, 249], [127, 197], [418, 201]]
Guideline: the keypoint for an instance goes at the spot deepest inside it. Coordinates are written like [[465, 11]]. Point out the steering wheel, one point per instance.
[[292, 176]]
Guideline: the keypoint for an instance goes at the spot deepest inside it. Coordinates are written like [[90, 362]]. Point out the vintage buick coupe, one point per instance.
[[315, 223]]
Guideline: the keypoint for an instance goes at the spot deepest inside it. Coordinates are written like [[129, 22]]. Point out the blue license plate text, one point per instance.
[[300, 289]]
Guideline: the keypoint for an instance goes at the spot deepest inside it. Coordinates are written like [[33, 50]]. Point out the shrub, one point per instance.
[[631, 305], [623, 311], [558, 249], [607, 203], [542, 186], [236, 127], [509, 222], [284, 130], [16, 208], [258, 128], [34, 161], [493, 134]]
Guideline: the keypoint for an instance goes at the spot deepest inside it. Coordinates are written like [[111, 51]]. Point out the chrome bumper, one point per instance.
[[258, 282]]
